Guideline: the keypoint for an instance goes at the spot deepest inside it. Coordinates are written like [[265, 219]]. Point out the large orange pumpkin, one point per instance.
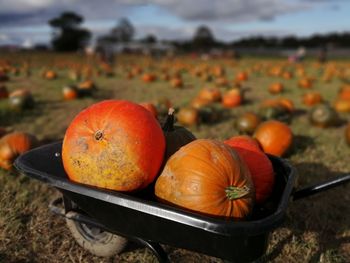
[[114, 144], [275, 137], [14, 144], [207, 176], [259, 165]]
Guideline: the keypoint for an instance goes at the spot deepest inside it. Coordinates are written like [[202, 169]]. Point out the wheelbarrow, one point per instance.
[[102, 221]]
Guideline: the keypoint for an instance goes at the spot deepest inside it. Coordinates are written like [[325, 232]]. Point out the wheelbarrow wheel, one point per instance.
[[98, 242]]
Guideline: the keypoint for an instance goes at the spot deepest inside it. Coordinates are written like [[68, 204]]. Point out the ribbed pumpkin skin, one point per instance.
[[114, 144], [14, 144], [196, 177], [259, 165], [274, 137]]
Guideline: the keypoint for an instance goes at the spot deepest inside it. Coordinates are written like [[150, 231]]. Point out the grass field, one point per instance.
[[317, 229]]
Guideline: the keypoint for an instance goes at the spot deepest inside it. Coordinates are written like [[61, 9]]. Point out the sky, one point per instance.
[[24, 22]]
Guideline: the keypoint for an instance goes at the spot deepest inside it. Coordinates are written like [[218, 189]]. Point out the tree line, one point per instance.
[[69, 35]]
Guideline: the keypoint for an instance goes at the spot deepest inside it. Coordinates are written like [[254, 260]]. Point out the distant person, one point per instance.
[[300, 54]]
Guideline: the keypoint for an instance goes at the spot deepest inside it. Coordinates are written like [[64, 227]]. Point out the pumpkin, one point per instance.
[[323, 116], [21, 99], [341, 105], [287, 103], [305, 83], [14, 144], [242, 76], [150, 107], [114, 144], [175, 136], [198, 102], [86, 88], [276, 88], [247, 123], [209, 177], [259, 165], [274, 137], [50, 74], [176, 82], [148, 78], [70, 92], [312, 98], [344, 92], [163, 104], [188, 116], [3, 92], [210, 94], [232, 98]]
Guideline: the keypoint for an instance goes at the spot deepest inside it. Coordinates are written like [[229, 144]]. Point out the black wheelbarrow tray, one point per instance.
[[99, 217]]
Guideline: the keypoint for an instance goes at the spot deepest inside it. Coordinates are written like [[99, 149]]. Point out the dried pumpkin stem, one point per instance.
[[233, 192], [169, 123]]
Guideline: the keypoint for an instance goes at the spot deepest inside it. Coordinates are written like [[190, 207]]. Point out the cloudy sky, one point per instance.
[[24, 22]]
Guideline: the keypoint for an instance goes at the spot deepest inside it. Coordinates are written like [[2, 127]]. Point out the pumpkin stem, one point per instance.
[[169, 123], [98, 135], [233, 192]]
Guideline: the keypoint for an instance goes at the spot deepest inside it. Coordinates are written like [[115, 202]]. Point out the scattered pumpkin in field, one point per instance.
[[312, 98], [344, 92], [86, 88], [247, 123], [149, 77], [150, 107], [175, 136], [188, 116], [198, 103], [209, 177], [50, 74], [176, 82], [276, 88], [114, 144], [259, 165], [341, 105], [275, 111], [210, 94], [232, 98], [275, 137], [21, 99], [14, 144], [323, 116], [70, 92], [305, 83], [242, 76]]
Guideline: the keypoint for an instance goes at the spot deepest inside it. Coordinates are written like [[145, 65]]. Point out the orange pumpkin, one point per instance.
[[341, 105], [210, 94], [275, 137], [305, 83], [232, 98], [148, 78], [114, 144], [14, 144], [209, 177], [344, 92], [176, 82], [347, 134], [312, 98], [198, 103], [276, 88], [242, 76], [50, 74], [259, 165], [69, 92], [188, 116]]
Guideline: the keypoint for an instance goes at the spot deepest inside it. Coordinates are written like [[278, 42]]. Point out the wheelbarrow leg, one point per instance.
[[157, 250]]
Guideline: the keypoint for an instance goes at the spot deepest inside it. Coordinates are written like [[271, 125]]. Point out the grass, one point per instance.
[[316, 229]]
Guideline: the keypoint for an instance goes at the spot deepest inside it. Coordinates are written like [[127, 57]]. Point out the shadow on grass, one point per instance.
[[316, 214], [300, 144]]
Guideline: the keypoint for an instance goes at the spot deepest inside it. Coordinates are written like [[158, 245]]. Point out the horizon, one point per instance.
[[24, 23]]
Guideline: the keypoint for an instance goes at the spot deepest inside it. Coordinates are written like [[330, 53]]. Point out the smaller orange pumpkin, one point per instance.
[[188, 116], [150, 107], [275, 137], [276, 88], [70, 92], [312, 98]]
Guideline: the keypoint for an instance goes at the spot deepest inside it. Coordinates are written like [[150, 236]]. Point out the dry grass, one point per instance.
[[317, 229]]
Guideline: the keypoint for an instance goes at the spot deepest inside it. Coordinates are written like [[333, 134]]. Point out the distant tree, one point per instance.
[[68, 35], [123, 32], [149, 39], [203, 38]]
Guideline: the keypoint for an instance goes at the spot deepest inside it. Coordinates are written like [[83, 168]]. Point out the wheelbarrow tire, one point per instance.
[[99, 243]]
